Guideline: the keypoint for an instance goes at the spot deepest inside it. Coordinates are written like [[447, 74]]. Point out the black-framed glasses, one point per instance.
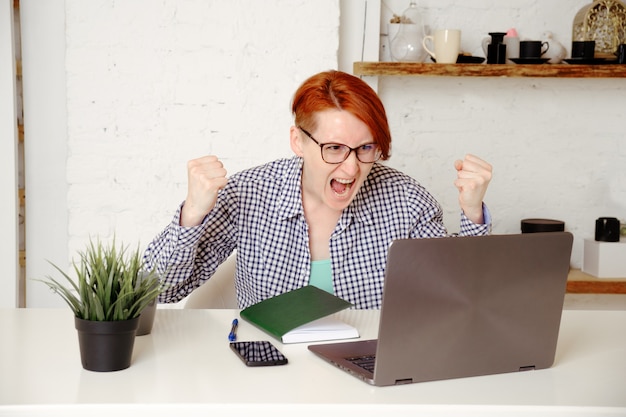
[[336, 153]]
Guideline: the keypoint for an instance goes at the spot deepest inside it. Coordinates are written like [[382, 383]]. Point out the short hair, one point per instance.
[[341, 91]]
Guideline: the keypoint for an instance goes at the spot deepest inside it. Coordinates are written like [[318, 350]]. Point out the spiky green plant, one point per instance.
[[111, 285]]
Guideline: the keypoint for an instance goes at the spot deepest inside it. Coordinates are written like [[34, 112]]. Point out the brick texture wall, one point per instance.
[[153, 84]]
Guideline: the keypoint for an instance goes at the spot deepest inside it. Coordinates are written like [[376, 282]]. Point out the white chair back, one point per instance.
[[218, 291]]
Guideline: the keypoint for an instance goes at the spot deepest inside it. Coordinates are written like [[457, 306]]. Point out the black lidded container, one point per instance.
[[496, 50], [607, 229], [542, 225]]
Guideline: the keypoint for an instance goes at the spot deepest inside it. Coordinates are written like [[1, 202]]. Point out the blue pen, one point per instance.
[[232, 336]]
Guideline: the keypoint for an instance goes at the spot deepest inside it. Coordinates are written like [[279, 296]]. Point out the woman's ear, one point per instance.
[[295, 140]]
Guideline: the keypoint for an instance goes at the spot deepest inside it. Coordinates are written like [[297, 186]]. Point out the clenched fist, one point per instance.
[[205, 176], [473, 176]]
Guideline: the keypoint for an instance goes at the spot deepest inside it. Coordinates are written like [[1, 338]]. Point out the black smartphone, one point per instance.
[[259, 353]]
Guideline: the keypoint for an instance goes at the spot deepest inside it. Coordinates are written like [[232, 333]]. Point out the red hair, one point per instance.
[[341, 91]]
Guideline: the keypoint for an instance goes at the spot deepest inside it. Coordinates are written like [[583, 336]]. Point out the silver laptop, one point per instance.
[[457, 307]]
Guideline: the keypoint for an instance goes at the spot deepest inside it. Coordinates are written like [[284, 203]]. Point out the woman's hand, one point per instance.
[[206, 176], [473, 176]]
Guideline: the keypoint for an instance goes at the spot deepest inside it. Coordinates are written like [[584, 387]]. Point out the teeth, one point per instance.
[[342, 181]]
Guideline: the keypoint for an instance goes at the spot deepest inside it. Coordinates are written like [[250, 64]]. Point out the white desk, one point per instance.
[[185, 367]]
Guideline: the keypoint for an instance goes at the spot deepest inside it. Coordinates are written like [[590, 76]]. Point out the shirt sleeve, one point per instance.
[[172, 255], [469, 228]]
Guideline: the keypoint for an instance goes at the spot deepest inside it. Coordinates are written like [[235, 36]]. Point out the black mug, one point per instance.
[[607, 229], [532, 49], [583, 49]]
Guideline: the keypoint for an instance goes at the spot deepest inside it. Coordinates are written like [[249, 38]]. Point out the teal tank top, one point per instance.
[[321, 275]]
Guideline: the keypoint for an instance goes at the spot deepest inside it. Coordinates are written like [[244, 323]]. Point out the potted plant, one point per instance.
[[107, 299]]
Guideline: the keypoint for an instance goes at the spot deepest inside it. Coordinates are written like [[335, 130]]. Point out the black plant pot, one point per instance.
[[146, 319], [147, 314], [106, 345]]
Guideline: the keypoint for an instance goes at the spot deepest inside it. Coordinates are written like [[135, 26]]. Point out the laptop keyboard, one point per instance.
[[366, 362]]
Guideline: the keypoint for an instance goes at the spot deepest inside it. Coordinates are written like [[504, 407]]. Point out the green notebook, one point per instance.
[[281, 314]]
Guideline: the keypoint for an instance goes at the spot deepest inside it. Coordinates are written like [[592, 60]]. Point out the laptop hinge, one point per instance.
[[404, 381], [527, 368]]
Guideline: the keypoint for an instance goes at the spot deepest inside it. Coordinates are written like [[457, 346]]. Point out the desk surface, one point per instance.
[[186, 366]]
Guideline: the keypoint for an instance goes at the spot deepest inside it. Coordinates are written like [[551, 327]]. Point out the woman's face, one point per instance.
[[333, 185]]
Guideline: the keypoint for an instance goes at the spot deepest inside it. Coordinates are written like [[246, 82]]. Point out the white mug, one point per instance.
[[447, 45]]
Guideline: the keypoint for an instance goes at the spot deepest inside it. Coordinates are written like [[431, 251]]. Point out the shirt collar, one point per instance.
[[291, 197]]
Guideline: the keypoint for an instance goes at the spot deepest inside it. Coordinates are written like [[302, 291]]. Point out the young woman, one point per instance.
[[325, 216]]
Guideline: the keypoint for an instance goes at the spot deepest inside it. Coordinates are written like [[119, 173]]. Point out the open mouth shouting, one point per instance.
[[341, 186]]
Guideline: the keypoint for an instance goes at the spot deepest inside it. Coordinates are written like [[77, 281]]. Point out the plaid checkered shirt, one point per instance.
[[259, 214]]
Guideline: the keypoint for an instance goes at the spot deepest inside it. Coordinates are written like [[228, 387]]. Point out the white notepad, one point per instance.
[[326, 328]]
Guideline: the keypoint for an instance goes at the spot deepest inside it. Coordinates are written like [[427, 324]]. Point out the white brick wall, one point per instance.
[[153, 84], [557, 152]]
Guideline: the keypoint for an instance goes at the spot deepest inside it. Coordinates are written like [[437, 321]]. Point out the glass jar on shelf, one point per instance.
[[406, 43]]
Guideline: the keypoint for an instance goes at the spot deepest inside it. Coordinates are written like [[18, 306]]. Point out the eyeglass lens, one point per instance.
[[336, 153]]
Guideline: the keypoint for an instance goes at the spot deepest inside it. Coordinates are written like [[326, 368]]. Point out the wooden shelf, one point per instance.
[[580, 283], [489, 70]]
